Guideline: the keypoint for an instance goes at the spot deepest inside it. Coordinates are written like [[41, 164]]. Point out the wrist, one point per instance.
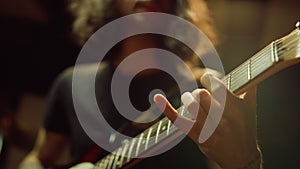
[[255, 162], [245, 161]]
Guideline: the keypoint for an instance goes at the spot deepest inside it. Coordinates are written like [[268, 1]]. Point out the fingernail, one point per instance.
[[210, 82], [187, 98], [160, 101]]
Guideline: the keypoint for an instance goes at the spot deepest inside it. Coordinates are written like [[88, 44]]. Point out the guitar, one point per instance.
[[278, 55]]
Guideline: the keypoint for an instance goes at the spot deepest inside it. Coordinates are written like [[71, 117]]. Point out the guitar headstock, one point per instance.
[[288, 47]]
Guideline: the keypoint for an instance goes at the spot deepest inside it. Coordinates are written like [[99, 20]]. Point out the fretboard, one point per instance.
[[251, 68], [161, 130], [244, 75], [141, 143]]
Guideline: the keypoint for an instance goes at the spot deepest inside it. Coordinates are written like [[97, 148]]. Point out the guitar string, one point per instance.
[[242, 78], [172, 129], [138, 137], [239, 74], [259, 56], [288, 46], [242, 69], [130, 142]]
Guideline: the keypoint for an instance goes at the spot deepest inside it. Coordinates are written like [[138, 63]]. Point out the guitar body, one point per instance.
[[278, 119]]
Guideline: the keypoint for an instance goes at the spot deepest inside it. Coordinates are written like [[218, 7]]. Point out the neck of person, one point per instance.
[[134, 44]]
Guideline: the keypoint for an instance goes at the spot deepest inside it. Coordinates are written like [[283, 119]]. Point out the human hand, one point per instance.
[[233, 142], [85, 165]]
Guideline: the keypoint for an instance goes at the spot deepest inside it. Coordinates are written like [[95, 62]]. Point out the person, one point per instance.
[[62, 128]]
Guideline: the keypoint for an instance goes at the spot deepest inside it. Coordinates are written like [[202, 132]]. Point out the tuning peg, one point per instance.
[[298, 24]]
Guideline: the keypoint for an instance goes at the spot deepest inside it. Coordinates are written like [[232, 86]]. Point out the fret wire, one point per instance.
[[148, 137], [106, 162], [172, 129], [168, 127], [99, 164], [257, 57], [237, 70], [261, 53], [152, 140], [259, 60], [123, 154], [238, 75], [237, 78], [256, 65], [111, 157], [103, 161], [240, 70], [249, 70], [117, 157], [163, 121], [237, 81], [274, 52], [226, 82], [157, 131], [139, 144], [132, 142]]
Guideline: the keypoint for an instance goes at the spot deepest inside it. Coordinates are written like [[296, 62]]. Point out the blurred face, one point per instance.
[[126, 7]]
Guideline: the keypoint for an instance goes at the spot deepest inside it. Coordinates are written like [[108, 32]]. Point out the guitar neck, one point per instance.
[[274, 57]]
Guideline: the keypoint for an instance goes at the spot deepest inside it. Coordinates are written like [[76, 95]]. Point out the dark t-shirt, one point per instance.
[[62, 118]]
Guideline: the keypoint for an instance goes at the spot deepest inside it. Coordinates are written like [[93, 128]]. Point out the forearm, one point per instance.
[[255, 162]]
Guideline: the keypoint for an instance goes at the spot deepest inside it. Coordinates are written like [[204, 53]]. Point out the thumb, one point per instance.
[[211, 82], [216, 87]]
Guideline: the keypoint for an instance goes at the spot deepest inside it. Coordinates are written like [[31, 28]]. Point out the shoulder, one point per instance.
[[79, 75], [82, 71]]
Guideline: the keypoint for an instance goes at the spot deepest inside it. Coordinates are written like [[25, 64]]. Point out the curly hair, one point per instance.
[[90, 15]]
